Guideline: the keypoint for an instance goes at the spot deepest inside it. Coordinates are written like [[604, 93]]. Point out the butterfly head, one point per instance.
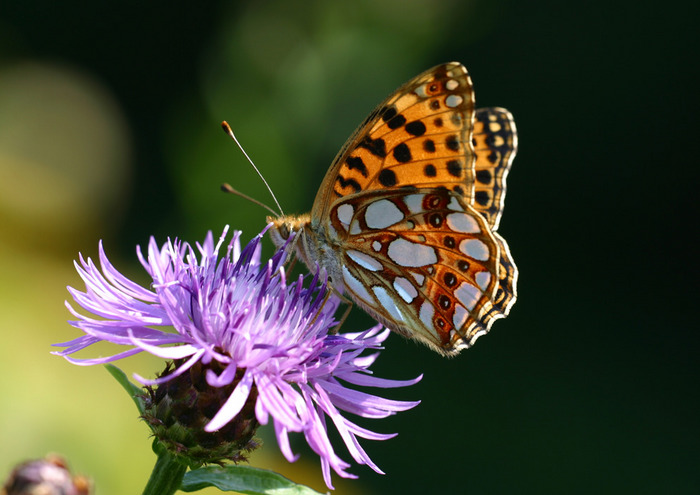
[[283, 227]]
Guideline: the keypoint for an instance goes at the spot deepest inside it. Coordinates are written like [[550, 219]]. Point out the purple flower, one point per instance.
[[264, 333]]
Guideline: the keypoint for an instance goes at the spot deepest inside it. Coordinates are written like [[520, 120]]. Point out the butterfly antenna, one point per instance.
[[227, 188]]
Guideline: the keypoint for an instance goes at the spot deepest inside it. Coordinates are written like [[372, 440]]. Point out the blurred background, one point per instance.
[[109, 129]]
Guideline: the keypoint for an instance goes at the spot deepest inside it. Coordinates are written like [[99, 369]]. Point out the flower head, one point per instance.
[[250, 331], [49, 475]]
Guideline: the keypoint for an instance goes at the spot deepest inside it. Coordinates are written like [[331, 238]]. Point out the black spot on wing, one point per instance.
[[388, 113], [435, 220], [355, 162], [396, 122], [444, 302], [483, 176], [415, 128], [402, 153], [452, 142], [481, 197], [387, 178], [348, 183], [375, 146], [454, 168]]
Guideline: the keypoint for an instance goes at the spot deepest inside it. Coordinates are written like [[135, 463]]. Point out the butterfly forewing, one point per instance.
[[422, 261], [495, 143], [417, 137]]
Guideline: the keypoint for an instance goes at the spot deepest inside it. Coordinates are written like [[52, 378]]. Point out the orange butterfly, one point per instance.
[[405, 220]]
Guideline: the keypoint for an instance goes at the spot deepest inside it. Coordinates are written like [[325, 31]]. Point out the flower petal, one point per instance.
[[233, 404]]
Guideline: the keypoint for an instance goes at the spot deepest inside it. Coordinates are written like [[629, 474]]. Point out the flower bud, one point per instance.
[[49, 476], [178, 410]]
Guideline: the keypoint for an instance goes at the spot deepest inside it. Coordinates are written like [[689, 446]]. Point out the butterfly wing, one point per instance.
[[395, 220], [495, 142], [422, 261], [417, 137]]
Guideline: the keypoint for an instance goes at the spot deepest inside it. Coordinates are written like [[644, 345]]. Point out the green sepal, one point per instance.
[[242, 479], [135, 392]]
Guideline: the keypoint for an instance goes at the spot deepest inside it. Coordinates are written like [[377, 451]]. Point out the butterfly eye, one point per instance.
[[284, 231]]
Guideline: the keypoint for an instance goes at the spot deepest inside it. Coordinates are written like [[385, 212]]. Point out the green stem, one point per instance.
[[166, 477]]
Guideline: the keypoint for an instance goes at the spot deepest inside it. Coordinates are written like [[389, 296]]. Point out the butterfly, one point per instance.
[[405, 220]]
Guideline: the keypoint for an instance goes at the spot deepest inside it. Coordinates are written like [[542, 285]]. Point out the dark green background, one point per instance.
[[591, 385]]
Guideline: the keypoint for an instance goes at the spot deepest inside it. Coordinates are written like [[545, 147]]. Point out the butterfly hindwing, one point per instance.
[[420, 259], [508, 279]]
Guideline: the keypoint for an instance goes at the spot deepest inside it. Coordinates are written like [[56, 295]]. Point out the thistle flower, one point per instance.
[[262, 344]]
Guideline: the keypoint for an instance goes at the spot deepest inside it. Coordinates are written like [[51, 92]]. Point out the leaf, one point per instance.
[[132, 389], [243, 479]]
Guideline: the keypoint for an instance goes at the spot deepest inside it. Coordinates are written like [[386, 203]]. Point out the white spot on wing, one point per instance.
[[405, 253], [460, 316], [419, 277], [377, 246], [462, 222], [451, 85], [355, 228], [382, 214], [405, 289], [356, 287], [414, 202], [387, 302], [453, 101], [345, 213], [365, 261], [468, 295], [483, 279], [420, 91], [426, 313], [454, 204], [475, 249]]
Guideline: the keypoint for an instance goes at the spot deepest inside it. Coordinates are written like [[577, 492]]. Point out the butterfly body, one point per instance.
[[405, 220]]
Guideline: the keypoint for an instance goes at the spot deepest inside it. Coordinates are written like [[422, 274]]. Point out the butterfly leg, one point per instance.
[[349, 303], [343, 299], [292, 260], [290, 266]]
